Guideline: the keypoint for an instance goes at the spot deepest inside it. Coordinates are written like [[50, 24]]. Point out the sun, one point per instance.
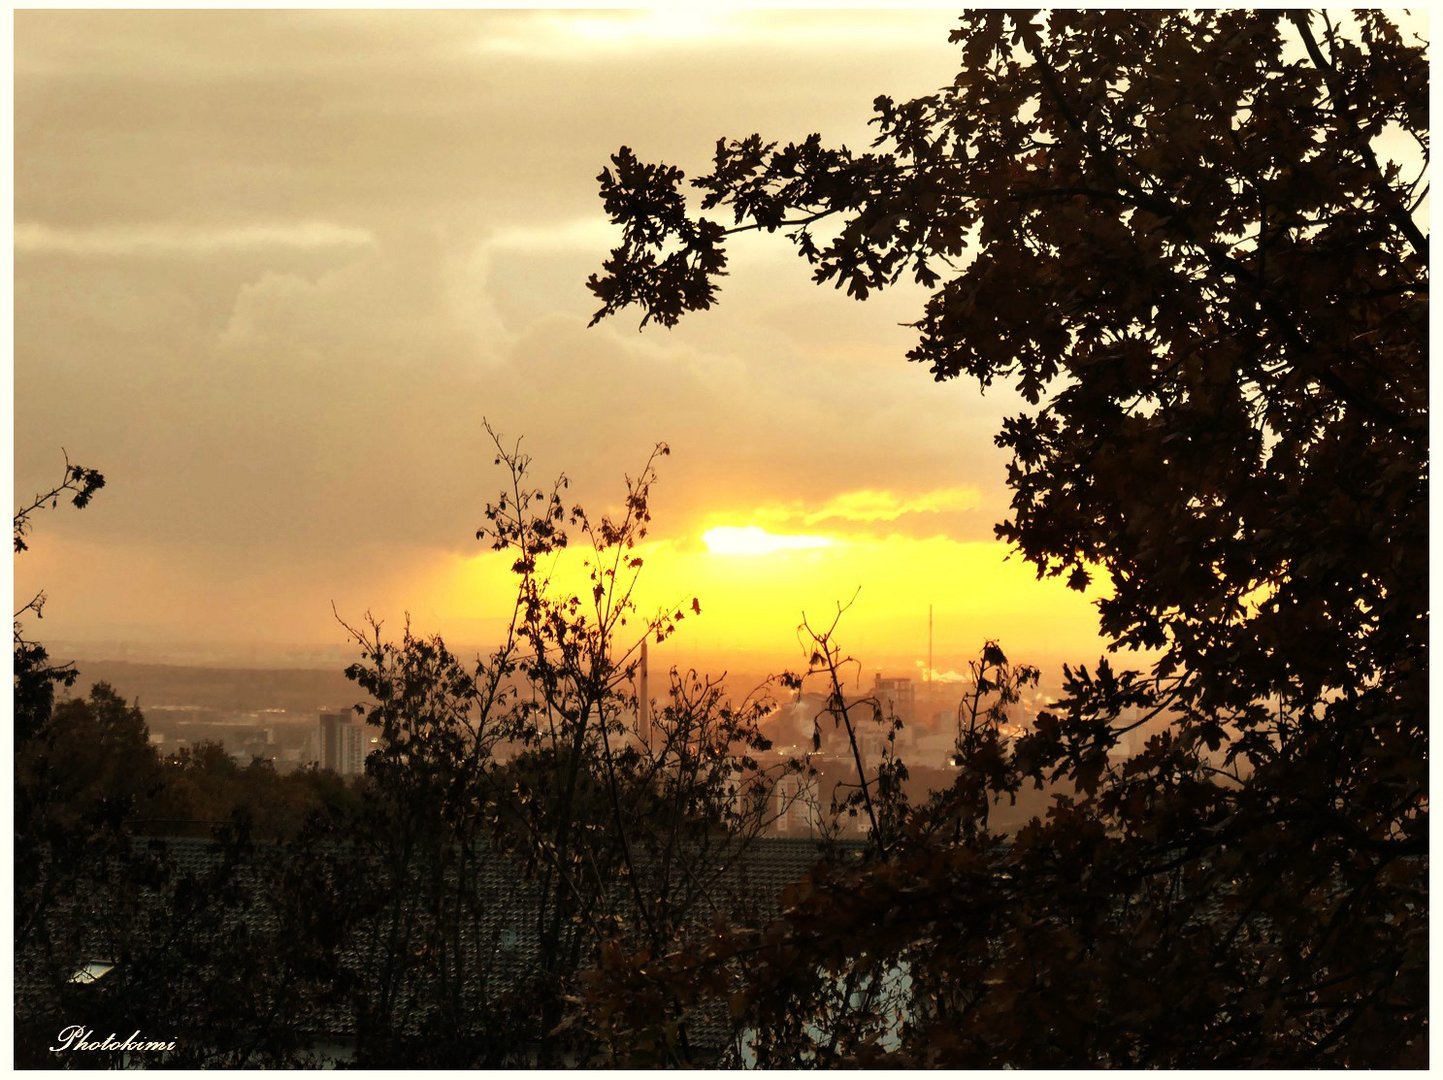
[[754, 540]]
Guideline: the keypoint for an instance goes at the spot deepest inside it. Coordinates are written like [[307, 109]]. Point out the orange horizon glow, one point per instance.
[[755, 587]]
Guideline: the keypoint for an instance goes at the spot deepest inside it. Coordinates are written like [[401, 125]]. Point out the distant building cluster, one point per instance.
[[897, 697], [245, 735], [334, 740], [927, 741]]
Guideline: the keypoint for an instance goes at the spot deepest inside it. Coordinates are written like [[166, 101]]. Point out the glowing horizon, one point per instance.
[[754, 596]]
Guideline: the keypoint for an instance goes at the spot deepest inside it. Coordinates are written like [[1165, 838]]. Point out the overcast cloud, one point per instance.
[[273, 269]]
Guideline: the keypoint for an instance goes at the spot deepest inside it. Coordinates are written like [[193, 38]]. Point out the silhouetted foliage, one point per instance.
[[619, 832], [1179, 236], [518, 819], [35, 677], [876, 793], [64, 817]]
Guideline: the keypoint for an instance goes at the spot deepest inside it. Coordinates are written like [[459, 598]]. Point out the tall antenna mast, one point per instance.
[[928, 679]]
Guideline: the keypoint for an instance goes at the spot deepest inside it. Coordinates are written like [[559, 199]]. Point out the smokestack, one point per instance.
[[643, 709]]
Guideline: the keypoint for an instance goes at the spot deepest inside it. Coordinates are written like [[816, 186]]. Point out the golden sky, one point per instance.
[[274, 267]]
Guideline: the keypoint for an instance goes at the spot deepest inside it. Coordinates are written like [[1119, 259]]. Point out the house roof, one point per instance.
[[492, 950]]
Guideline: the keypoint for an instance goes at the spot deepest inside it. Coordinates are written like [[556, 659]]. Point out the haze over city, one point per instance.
[[273, 268]]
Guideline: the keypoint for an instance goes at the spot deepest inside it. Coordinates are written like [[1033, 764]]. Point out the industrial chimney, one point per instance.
[[643, 708]]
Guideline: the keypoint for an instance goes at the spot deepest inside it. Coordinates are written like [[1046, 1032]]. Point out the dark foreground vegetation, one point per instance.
[[1182, 237]]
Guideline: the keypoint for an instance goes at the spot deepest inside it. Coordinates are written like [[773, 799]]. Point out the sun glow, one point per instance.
[[754, 604], [753, 540]]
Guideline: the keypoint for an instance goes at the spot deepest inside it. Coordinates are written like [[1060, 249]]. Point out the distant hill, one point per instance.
[[241, 689]]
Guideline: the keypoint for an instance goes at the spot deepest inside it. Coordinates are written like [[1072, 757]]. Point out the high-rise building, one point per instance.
[[354, 745], [328, 740], [342, 744]]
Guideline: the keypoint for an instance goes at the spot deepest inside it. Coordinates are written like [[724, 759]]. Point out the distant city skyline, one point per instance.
[[273, 268]]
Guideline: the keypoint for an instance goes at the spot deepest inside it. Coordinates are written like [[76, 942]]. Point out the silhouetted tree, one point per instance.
[[1190, 239], [53, 802], [617, 835]]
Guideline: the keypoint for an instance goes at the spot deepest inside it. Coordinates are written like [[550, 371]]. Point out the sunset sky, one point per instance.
[[273, 268]]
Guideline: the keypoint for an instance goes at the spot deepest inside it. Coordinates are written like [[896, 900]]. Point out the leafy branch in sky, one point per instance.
[[1192, 241]]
